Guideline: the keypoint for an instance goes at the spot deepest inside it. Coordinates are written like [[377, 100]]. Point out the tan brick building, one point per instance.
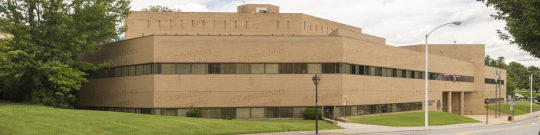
[[258, 63]]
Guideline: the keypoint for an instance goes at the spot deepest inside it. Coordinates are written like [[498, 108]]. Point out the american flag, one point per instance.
[[454, 79]]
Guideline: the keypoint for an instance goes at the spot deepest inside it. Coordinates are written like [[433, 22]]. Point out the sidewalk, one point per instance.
[[354, 128]]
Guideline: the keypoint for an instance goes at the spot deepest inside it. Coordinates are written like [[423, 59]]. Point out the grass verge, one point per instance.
[[19, 118], [413, 119], [519, 108]]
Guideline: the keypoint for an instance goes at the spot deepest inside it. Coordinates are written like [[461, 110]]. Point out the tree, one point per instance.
[[510, 86], [522, 23], [160, 9], [46, 42]]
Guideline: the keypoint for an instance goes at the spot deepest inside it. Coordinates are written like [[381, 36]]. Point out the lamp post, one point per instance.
[[530, 79], [426, 73], [316, 79]]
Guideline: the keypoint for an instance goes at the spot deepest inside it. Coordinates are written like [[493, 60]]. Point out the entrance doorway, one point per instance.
[[328, 112]]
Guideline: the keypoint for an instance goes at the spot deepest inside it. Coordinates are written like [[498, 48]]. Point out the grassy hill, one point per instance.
[[413, 119], [519, 108], [18, 118]]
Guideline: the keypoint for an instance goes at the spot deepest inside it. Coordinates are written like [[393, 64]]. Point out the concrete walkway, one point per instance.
[[354, 128]]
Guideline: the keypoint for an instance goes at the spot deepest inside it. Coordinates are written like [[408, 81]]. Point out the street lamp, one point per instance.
[[531, 89], [316, 79], [426, 73]]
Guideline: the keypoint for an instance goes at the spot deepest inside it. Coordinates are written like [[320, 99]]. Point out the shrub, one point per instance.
[[309, 113], [537, 98], [193, 112], [228, 117]]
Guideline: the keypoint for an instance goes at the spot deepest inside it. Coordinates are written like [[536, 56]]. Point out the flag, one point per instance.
[[499, 79], [496, 76], [454, 79]]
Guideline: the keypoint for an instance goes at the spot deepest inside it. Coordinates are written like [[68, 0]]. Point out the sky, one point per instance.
[[400, 22]]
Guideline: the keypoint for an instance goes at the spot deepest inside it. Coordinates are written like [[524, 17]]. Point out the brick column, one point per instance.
[[461, 103], [449, 102]]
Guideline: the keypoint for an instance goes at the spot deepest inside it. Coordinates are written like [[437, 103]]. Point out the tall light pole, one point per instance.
[[316, 79], [530, 79], [427, 73]]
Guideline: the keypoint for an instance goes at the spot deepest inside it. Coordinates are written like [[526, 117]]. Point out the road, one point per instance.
[[525, 127]]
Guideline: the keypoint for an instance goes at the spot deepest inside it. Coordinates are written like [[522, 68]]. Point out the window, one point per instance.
[[242, 112], [261, 9], [131, 70], [199, 69], [285, 112], [338, 111], [271, 68], [203, 113], [242, 68], [396, 74], [228, 68], [106, 73], [389, 72], [329, 68], [257, 112], [339, 68], [168, 112], [182, 112], [354, 110], [125, 71], [167, 68], [99, 73], [272, 112], [285, 68], [408, 74], [111, 72], [297, 112], [378, 71], [146, 111], [148, 69], [361, 70], [370, 70], [383, 71], [213, 113], [346, 68], [354, 69], [384, 108], [398, 107], [214, 68], [314, 68], [139, 69], [231, 112], [346, 110], [300, 68], [257, 68], [118, 71], [183, 68]]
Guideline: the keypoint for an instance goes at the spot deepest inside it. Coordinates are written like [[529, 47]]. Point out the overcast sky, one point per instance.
[[401, 22]]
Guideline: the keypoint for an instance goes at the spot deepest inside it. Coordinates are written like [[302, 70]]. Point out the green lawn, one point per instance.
[[519, 108], [18, 118], [414, 119]]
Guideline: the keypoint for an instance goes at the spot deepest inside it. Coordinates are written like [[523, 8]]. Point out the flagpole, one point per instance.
[[495, 93], [499, 84]]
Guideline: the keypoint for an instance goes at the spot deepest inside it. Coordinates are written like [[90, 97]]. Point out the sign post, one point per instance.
[[512, 103]]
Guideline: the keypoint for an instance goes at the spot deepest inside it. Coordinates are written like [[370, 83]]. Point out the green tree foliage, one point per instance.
[[160, 9], [522, 19], [309, 113], [510, 86], [40, 60]]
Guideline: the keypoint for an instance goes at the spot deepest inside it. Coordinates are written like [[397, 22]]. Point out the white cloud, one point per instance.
[[401, 22]]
